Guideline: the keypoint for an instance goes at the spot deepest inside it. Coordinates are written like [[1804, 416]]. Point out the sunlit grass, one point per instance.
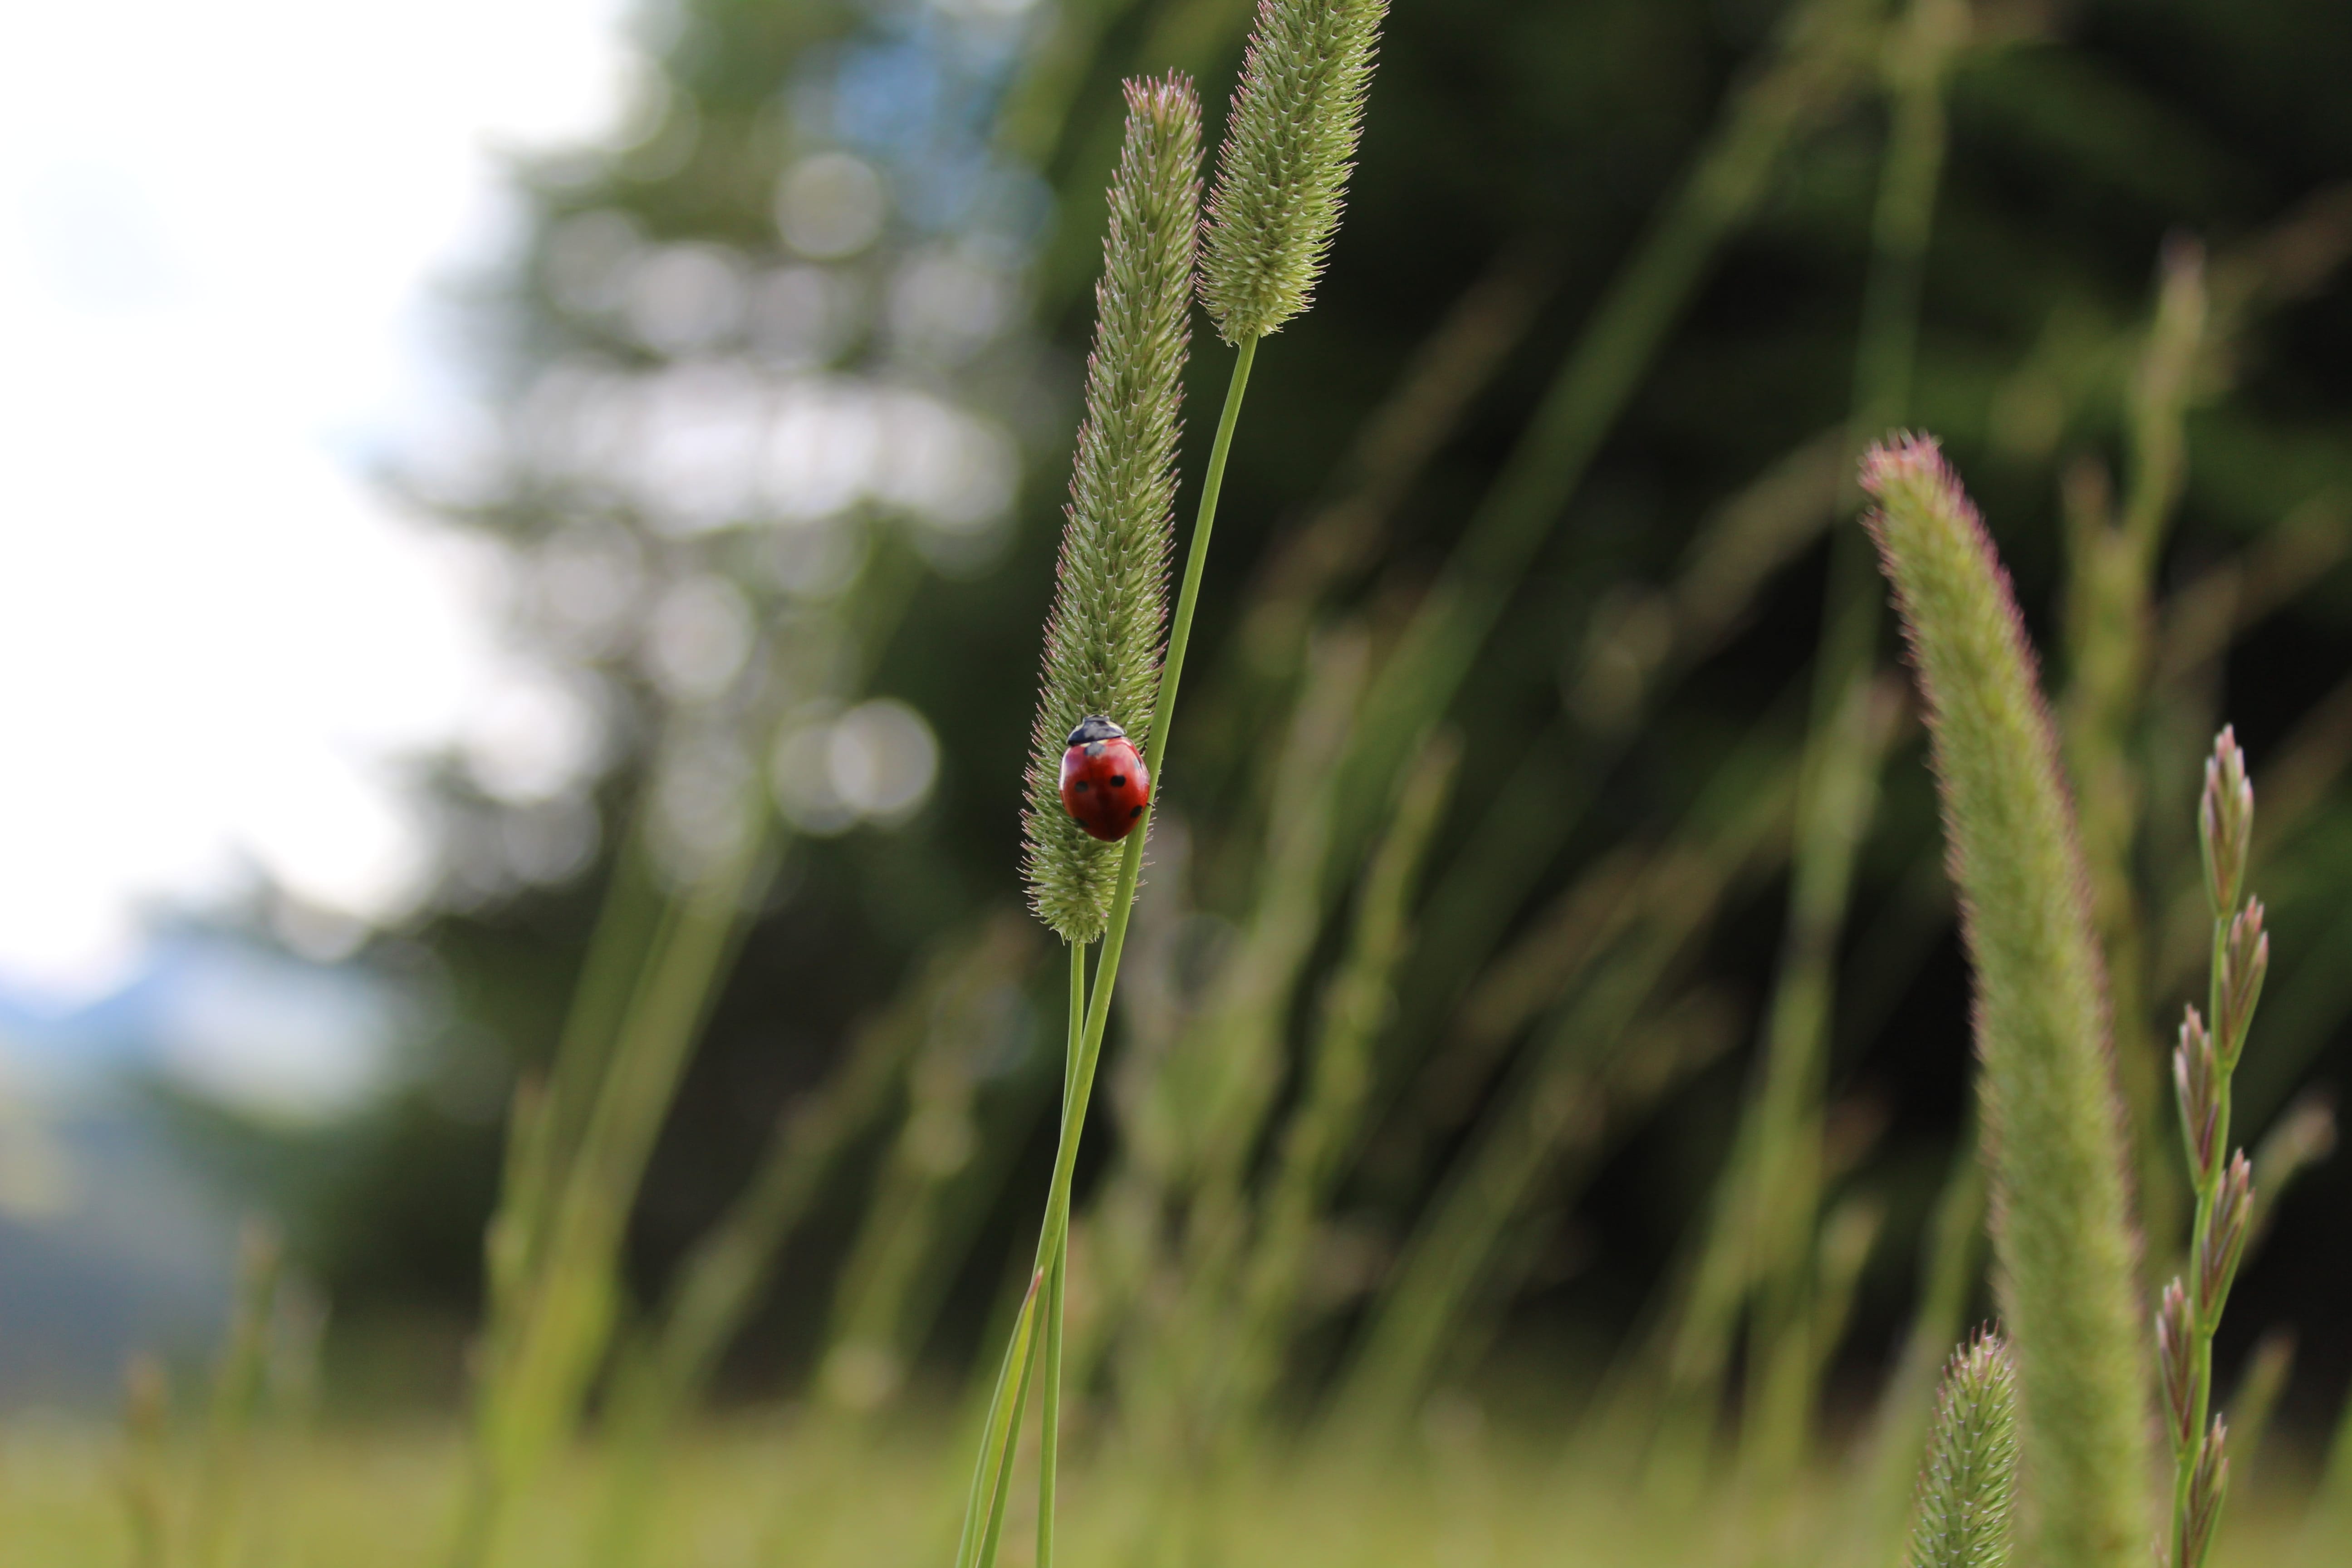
[[797, 1490]]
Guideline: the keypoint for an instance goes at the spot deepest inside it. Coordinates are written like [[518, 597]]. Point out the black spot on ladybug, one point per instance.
[[1082, 786], [1118, 781], [1136, 812]]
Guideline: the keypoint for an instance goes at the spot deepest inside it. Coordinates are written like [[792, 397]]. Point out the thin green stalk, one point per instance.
[[992, 1472], [1049, 1442], [1196, 559], [1823, 51], [2201, 1069], [1214, 1089], [544, 1357], [1163, 713], [1054, 1235], [1551, 1105], [1328, 1121], [1838, 802], [2109, 621], [1842, 768]]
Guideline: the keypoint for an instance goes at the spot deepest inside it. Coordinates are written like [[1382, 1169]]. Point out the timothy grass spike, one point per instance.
[[2053, 1132], [1970, 1476], [1110, 593], [1282, 174]]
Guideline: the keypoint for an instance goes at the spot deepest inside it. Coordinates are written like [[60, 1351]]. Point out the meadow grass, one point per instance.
[[1551, 1036], [799, 1490]]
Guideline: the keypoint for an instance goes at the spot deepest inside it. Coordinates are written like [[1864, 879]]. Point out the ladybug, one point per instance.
[[1104, 783]]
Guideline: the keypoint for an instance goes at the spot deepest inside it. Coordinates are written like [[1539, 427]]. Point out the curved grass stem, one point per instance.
[[1085, 1046]]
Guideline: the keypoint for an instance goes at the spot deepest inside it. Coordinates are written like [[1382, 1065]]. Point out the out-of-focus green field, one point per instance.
[[783, 1491]]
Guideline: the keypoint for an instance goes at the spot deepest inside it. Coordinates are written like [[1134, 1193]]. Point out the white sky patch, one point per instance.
[[219, 229]]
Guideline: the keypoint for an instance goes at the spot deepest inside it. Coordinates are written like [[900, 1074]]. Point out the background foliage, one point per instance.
[[1607, 865]]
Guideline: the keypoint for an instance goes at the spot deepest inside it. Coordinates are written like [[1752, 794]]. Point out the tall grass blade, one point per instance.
[[992, 1475], [218, 1516], [2109, 625], [1839, 795], [1340, 1065], [1822, 54], [1549, 1106]]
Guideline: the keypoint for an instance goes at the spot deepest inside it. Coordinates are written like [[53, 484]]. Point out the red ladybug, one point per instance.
[[1104, 783]]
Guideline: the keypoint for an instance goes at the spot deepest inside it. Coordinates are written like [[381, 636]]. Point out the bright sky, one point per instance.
[[219, 226]]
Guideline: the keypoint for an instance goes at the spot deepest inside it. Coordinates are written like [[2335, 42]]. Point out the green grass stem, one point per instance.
[[1550, 1107], [1049, 1435], [1543, 800], [1823, 52], [1054, 1235], [991, 1475], [543, 1358], [1340, 1069], [1839, 795], [2110, 599]]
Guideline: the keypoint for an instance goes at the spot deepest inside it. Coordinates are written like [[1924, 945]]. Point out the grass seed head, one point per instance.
[[1110, 589], [2176, 1356], [1969, 1479], [2197, 1082], [2225, 822], [2054, 1125], [2225, 1239], [1282, 174], [2245, 960], [2208, 1485]]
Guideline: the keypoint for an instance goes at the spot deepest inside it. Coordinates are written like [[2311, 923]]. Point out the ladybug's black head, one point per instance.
[[1093, 729]]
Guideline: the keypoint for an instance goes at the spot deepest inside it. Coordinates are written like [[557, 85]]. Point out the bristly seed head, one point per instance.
[[1282, 174], [1970, 1476], [1110, 590]]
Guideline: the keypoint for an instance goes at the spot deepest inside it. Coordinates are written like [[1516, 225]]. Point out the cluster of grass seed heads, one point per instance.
[[2202, 1063], [1970, 1480], [1282, 172], [1110, 589]]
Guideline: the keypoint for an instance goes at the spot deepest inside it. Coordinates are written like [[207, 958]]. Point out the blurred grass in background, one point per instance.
[[1542, 1061]]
